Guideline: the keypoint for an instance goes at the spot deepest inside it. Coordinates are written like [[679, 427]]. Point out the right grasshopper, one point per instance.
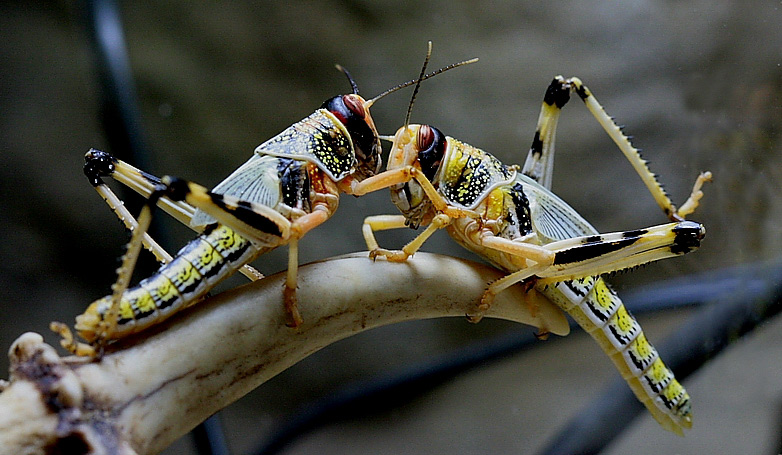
[[513, 220]]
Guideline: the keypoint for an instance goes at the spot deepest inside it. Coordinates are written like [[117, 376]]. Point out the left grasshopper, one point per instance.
[[289, 186]]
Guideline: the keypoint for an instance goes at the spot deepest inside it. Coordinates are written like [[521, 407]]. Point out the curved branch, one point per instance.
[[150, 389]]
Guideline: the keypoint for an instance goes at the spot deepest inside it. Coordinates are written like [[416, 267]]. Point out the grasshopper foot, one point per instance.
[[476, 315], [390, 255], [292, 316]]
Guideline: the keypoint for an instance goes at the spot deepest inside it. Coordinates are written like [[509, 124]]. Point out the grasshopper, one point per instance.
[[289, 186], [509, 216]]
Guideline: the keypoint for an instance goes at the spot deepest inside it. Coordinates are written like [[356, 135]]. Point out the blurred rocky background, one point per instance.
[[698, 84]]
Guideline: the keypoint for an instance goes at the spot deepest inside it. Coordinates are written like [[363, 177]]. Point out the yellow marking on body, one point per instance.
[[468, 179], [126, 310], [183, 275], [623, 321], [622, 328], [677, 400], [208, 254], [207, 259], [495, 204], [601, 303], [144, 305], [162, 290], [658, 376], [642, 347], [603, 295], [455, 164], [568, 294], [640, 353], [165, 289], [673, 391], [226, 239]]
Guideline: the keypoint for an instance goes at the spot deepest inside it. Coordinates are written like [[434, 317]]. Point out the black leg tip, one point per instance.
[[98, 164], [557, 93], [688, 237]]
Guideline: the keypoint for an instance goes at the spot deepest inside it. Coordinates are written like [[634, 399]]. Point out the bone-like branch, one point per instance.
[[149, 390]]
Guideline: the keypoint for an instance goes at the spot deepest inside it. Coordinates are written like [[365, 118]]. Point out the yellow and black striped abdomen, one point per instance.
[[202, 263], [600, 312]]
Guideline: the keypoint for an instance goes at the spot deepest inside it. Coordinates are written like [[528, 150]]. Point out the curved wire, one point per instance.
[[120, 115]]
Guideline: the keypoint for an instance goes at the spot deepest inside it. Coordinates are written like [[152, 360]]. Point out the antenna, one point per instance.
[[353, 84], [418, 85], [421, 78]]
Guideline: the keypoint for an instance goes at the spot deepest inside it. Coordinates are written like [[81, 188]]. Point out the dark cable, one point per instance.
[[119, 112]]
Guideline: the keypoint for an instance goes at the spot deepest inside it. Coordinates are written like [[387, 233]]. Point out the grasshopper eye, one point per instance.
[[425, 137], [347, 108], [355, 104], [431, 144]]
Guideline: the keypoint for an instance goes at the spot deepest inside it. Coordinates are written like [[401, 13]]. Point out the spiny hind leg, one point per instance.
[[590, 255], [98, 165], [633, 155], [108, 324], [540, 159], [580, 257], [106, 327]]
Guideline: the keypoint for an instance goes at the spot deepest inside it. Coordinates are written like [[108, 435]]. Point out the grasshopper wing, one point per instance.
[[256, 181], [552, 218]]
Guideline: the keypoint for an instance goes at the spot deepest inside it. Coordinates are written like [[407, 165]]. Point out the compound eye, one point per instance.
[[355, 104], [425, 137]]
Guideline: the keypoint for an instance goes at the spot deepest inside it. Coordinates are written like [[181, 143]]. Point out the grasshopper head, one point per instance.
[[423, 147], [353, 111]]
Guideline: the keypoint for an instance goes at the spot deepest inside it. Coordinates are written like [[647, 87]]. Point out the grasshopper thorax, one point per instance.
[[353, 111]]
